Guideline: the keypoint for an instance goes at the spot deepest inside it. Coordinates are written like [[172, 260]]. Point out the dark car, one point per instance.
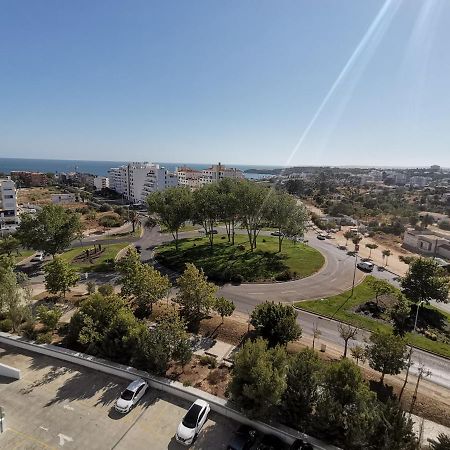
[[243, 438], [211, 232], [271, 442], [138, 248]]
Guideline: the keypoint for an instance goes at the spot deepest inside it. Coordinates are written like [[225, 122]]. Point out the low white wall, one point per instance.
[[10, 372], [175, 388]]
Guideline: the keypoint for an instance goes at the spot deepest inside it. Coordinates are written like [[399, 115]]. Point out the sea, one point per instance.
[[101, 167]]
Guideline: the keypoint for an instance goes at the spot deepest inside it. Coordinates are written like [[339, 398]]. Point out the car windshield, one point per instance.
[[127, 394], [190, 419]]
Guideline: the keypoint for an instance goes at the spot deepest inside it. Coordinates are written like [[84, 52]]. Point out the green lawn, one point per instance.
[[340, 308], [227, 262], [100, 264], [23, 254]]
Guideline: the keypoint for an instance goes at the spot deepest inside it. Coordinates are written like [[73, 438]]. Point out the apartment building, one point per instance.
[[188, 177], [136, 180], [101, 183], [8, 202], [218, 172]]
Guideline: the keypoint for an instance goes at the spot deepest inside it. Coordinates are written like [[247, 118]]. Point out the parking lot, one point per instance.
[[58, 404]]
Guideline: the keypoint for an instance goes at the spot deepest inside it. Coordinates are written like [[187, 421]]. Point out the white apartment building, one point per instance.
[[419, 181], [101, 183], [8, 202], [188, 177], [136, 180], [218, 172]]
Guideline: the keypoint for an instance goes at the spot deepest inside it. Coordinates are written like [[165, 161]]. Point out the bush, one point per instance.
[[187, 383], [110, 221], [91, 287], [106, 289], [216, 376], [207, 360], [44, 338], [241, 247], [28, 331], [6, 325], [105, 207], [444, 225], [48, 316], [237, 278], [286, 275]]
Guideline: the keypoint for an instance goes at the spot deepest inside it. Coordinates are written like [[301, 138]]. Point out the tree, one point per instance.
[[346, 408], [302, 383], [228, 205], [280, 207], [258, 378], [196, 295], [386, 254], [133, 217], [407, 259], [386, 353], [296, 223], [427, 220], [253, 208], [173, 207], [441, 443], [166, 341], [91, 287], [425, 281], [356, 240], [9, 245], [141, 282], [380, 287], [371, 247], [276, 322], [224, 307], [316, 333], [358, 352], [393, 428], [105, 289], [60, 276], [348, 235], [399, 314], [206, 209], [51, 230], [346, 332]]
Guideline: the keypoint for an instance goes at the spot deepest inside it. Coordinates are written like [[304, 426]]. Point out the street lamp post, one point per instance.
[[410, 351]]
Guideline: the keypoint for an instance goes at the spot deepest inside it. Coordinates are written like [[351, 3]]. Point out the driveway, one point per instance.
[[58, 404]]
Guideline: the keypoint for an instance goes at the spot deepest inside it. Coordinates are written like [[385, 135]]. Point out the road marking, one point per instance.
[[31, 438], [43, 428], [68, 407], [256, 293], [63, 439], [287, 292]]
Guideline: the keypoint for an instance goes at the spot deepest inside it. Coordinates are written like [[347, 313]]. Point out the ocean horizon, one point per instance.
[[101, 167]]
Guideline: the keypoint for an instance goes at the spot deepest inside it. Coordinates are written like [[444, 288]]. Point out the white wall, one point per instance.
[[9, 372]]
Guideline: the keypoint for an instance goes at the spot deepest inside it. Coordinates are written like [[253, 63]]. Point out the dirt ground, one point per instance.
[[36, 195]]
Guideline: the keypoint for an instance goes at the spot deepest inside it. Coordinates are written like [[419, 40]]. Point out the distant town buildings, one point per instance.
[[101, 183], [427, 243], [63, 199], [29, 179], [137, 180], [8, 202]]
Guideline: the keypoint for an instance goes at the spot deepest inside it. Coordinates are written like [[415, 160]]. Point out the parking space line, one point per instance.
[[30, 438], [129, 428]]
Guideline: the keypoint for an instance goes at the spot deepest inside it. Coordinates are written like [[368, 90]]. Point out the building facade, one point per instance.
[[8, 202], [101, 183], [427, 243]]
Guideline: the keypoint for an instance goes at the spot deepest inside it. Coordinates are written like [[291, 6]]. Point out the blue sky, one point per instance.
[[237, 81]]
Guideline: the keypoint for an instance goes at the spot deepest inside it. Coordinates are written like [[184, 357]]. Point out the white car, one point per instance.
[[365, 265], [37, 257], [192, 422], [131, 395]]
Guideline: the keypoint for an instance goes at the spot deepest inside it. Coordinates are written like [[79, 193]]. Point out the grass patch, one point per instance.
[[237, 263], [100, 264], [341, 306], [184, 228], [23, 254]]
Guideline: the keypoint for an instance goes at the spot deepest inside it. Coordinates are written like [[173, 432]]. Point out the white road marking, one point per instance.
[[68, 407], [43, 428], [287, 292], [256, 293], [63, 439]]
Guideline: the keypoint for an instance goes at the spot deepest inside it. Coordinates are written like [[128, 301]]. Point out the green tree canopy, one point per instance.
[[60, 276], [258, 378], [425, 281], [173, 207], [224, 307], [9, 245], [206, 209], [196, 295], [51, 230], [380, 287], [386, 353], [276, 322]]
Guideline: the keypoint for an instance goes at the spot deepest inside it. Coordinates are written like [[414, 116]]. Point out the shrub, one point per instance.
[[48, 316], [286, 275], [106, 289], [44, 338], [187, 383], [105, 207], [216, 376], [241, 247], [6, 325], [444, 225], [237, 278], [207, 360], [110, 221], [28, 330], [91, 287]]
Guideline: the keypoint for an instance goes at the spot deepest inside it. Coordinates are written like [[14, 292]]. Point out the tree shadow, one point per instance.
[[384, 392], [429, 317]]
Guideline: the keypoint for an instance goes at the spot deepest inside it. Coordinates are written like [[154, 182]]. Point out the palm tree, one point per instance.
[[134, 219], [371, 247], [386, 254]]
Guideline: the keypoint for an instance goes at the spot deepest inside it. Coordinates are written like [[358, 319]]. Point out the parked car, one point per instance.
[[321, 237], [138, 248], [271, 442], [212, 232], [367, 266], [244, 437], [37, 257], [329, 236], [131, 395], [342, 247], [276, 233], [192, 422]]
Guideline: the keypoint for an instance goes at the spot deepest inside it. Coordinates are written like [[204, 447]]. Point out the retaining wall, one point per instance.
[[9, 372]]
